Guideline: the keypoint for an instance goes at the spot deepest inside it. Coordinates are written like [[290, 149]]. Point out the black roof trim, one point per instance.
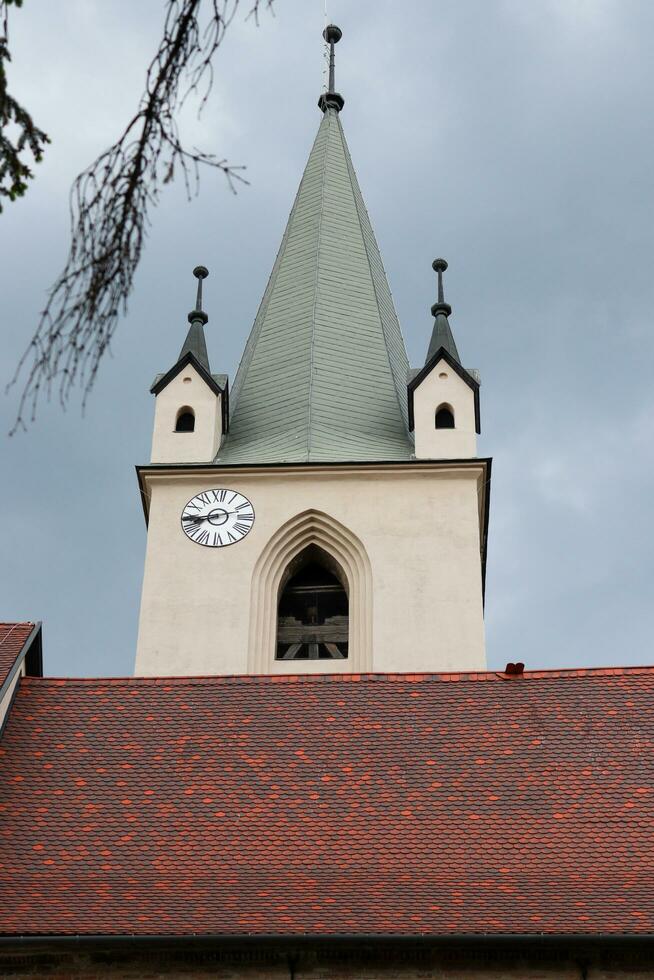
[[225, 407], [484, 530], [484, 940], [189, 358], [32, 654], [318, 464], [442, 354]]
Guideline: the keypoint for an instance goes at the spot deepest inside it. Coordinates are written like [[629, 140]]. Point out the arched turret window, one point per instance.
[[313, 610], [185, 420], [444, 417]]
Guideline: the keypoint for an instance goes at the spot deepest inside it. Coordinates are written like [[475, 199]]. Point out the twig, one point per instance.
[[110, 205]]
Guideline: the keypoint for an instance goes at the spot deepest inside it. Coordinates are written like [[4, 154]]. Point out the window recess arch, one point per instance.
[[185, 420], [444, 417], [343, 554], [313, 608]]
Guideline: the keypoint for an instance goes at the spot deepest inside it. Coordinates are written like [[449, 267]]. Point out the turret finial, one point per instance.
[[331, 99], [441, 336], [200, 272], [439, 266]]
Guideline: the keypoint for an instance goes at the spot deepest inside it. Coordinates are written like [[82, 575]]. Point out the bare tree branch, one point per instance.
[[110, 205], [14, 172]]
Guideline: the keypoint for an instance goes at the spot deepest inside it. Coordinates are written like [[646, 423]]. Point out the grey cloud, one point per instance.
[[514, 139]]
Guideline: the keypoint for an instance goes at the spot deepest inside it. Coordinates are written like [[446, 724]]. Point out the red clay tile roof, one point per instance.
[[12, 640], [381, 804]]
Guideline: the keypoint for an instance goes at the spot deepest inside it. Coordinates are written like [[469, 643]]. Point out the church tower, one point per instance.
[[330, 515]]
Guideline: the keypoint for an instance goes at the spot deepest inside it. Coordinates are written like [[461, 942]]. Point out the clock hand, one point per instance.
[[205, 517], [198, 518]]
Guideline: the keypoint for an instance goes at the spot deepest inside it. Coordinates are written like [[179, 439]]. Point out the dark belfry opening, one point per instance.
[[185, 421], [312, 616], [444, 418]]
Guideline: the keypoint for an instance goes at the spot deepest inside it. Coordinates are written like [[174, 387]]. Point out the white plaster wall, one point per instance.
[[420, 527], [200, 446], [6, 700], [444, 386]]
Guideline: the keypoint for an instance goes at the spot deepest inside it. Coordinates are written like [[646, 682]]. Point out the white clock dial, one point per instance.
[[216, 518]]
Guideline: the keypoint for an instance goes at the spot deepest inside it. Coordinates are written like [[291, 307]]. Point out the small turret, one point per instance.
[[443, 395], [191, 409]]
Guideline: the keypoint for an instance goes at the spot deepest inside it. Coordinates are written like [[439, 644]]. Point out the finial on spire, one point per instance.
[[331, 99], [200, 272], [439, 266], [441, 336]]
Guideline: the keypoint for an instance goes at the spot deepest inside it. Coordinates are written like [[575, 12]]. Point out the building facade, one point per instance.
[[292, 518], [312, 776]]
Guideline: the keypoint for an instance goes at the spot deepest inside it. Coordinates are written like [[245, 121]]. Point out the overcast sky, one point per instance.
[[515, 138]]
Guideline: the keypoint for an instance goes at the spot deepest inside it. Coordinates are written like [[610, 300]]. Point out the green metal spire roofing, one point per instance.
[[323, 374]]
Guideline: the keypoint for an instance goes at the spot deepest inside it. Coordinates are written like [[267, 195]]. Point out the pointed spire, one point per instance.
[[441, 334], [195, 342], [331, 99], [323, 374]]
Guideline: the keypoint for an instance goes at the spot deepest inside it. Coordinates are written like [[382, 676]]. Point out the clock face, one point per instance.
[[216, 518]]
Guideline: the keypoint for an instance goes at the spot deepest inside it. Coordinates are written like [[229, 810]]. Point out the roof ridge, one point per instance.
[[358, 203], [376, 677], [316, 288]]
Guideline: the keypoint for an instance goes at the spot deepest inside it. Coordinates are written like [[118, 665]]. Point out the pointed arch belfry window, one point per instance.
[[311, 557], [312, 615]]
